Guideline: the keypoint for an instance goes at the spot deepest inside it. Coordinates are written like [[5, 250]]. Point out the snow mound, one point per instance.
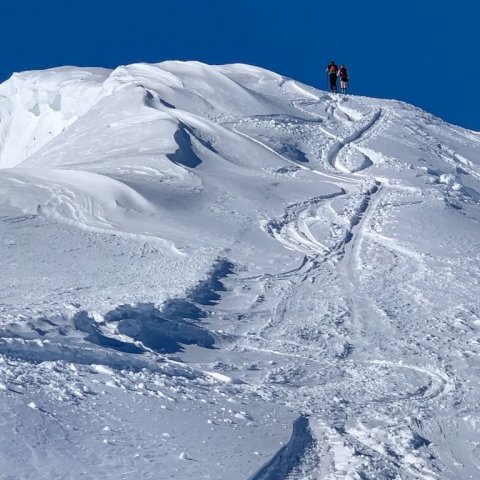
[[37, 106]]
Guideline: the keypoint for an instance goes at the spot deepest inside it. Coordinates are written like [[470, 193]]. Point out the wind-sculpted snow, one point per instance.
[[218, 272], [288, 456], [37, 106]]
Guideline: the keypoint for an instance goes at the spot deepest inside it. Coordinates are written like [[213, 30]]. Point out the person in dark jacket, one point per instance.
[[332, 72], [343, 75]]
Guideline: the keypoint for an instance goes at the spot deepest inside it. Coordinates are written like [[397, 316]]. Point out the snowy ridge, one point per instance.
[[36, 107], [197, 259]]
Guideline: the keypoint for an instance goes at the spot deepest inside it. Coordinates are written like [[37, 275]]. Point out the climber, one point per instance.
[[343, 75], [332, 71]]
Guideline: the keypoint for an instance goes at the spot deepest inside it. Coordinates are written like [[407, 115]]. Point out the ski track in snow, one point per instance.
[[315, 313], [340, 144]]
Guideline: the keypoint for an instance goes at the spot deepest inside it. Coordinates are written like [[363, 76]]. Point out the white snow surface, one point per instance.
[[216, 272]]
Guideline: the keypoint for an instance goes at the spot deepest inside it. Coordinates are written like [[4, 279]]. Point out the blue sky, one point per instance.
[[423, 51]]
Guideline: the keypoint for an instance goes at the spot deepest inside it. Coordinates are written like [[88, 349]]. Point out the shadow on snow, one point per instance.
[[147, 328]]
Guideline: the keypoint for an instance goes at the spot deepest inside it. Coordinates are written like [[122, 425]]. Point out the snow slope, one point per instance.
[[219, 272]]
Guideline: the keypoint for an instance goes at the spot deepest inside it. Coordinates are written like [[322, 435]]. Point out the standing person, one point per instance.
[[332, 71], [343, 74]]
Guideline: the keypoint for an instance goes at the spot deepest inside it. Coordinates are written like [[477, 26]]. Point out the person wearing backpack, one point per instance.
[[332, 72], [343, 74]]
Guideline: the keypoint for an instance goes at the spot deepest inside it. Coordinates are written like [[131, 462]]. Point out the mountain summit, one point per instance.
[[219, 272]]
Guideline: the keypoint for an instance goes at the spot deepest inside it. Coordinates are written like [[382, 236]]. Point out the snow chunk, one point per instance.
[[447, 179]]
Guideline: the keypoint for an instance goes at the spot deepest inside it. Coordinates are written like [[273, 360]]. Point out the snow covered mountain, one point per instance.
[[216, 272]]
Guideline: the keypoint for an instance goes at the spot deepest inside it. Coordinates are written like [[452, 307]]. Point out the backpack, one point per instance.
[[333, 69], [343, 73]]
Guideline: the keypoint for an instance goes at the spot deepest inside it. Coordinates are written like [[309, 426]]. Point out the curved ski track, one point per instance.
[[293, 231]]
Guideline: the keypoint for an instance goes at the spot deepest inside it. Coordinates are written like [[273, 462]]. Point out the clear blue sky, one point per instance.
[[421, 51]]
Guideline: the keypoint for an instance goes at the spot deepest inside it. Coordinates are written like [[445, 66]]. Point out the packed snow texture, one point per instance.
[[217, 272]]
